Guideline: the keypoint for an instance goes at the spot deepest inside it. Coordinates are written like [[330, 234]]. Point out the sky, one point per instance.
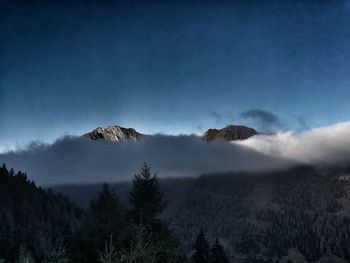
[[173, 67]]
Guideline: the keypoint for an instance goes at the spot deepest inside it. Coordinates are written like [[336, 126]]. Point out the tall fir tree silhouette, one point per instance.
[[201, 252], [146, 198], [218, 254], [104, 218], [147, 204]]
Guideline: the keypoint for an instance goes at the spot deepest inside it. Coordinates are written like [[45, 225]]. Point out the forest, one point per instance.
[[295, 215], [37, 225]]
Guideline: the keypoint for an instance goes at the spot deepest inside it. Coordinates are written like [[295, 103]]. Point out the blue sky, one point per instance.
[[67, 67]]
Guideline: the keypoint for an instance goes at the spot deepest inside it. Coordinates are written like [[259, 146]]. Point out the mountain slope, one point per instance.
[[117, 133], [230, 133], [32, 217], [296, 215], [114, 133]]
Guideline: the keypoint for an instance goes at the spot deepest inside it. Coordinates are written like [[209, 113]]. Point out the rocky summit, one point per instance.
[[117, 133], [229, 133], [114, 133]]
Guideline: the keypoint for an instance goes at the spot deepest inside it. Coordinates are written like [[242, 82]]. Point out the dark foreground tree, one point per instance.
[[147, 204], [218, 254], [109, 255], [146, 198], [58, 254], [107, 213], [201, 252], [105, 217], [24, 255]]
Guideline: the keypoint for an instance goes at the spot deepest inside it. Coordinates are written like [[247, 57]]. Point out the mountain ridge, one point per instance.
[[114, 133], [117, 133], [229, 133]]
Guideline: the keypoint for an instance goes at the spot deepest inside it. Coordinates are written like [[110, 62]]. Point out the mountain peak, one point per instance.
[[117, 133], [114, 133], [230, 133]]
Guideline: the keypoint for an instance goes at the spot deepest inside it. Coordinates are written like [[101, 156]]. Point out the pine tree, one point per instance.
[[201, 252], [218, 254], [105, 217], [146, 198], [109, 255], [7, 229], [24, 255], [58, 254], [143, 250], [147, 204], [107, 212]]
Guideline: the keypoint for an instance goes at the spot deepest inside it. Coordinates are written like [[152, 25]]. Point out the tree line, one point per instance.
[[37, 225], [275, 217]]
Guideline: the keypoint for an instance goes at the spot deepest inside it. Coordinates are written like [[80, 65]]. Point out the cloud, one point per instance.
[[323, 146], [78, 160], [266, 121]]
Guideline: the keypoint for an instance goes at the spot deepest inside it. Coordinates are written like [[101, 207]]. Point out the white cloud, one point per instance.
[[77, 160], [328, 145]]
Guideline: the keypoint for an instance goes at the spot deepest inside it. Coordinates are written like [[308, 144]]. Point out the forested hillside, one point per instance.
[[293, 216], [33, 221], [38, 226], [296, 215]]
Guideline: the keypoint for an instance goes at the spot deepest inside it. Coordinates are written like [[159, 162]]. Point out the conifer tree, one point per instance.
[[7, 228], [24, 255], [58, 254], [107, 212], [147, 204], [109, 255], [104, 218], [218, 254], [201, 252], [146, 198], [143, 250]]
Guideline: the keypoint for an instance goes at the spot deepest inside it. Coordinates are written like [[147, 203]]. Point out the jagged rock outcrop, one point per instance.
[[229, 133], [114, 133], [117, 133]]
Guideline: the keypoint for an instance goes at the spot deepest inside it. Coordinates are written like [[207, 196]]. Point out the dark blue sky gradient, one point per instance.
[[70, 66]]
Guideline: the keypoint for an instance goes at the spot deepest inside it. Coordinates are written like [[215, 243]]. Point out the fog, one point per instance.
[[80, 160], [323, 146]]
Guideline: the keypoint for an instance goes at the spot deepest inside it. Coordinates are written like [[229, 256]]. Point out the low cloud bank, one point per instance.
[[324, 146], [79, 160]]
